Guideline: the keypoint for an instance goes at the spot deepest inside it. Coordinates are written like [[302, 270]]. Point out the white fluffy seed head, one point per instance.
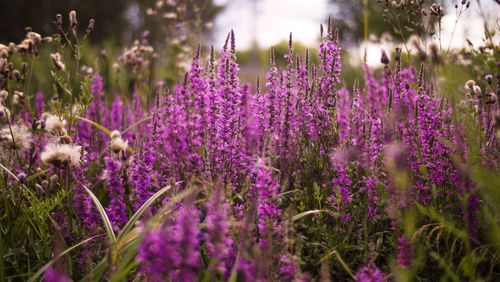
[[115, 134], [118, 145], [469, 85], [477, 90], [16, 138], [4, 113], [3, 95], [61, 154], [54, 125]]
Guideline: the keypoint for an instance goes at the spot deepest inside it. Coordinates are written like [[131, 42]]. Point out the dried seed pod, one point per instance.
[[90, 26], [72, 19], [489, 79], [58, 21], [384, 59]]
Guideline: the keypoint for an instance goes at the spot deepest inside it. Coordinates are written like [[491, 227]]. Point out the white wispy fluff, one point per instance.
[[4, 113], [54, 124], [20, 139], [117, 144], [61, 154]]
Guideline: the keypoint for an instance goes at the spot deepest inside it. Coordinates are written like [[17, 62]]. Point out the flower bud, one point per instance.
[[384, 59], [72, 19]]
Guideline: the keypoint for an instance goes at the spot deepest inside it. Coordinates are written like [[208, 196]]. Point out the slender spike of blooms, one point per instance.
[[405, 252], [116, 209], [142, 177], [84, 207], [219, 241], [95, 110], [369, 273], [52, 275], [39, 104], [289, 267], [171, 251], [266, 190]]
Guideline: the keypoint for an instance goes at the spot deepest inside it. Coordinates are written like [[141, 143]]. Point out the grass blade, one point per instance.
[[104, 216], [130, 224], [306, 213], [101, 128]]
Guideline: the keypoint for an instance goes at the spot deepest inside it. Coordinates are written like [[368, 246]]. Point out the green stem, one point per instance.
[[101, 128]]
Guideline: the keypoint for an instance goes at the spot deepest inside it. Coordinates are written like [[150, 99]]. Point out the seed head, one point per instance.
[[491, 98], [469, 85], [72, 19], [54, 125], [90, 26], [16, 138], [58, 21], [61, 155], [3, 95], [489, 79], [477, 90], [57, 61], [384, 59]]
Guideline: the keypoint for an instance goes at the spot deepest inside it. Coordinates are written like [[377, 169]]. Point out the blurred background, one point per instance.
[[176, 27]]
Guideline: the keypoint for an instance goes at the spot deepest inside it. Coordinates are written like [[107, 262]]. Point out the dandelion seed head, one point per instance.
[[19, 139], [3, 95], [118, 145], [57, 61], [477, 90], [55, 125], [61, 154], [469, 85]]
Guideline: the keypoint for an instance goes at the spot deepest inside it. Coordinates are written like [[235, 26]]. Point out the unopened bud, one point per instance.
[[72, 19], [384, 59], [489, 79], [90, 26]]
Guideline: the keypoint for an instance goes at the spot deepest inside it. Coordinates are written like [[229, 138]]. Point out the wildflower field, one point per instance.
[[119, 165]]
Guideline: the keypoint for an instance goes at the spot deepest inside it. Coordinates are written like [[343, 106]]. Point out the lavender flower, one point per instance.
[[266, 190], [369, 273], [219, 241], [405, 252], [289, 267], [116, 209], [53, 275], [171, 251]]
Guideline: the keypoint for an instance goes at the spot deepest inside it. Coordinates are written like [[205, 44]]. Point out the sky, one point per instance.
[[271, 21]]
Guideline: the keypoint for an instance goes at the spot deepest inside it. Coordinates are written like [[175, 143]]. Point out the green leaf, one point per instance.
[[306, 213], [130, 224], [101, 128], [129, 242], [104, 216]]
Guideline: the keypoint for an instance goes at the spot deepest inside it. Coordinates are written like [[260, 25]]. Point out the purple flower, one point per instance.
[[341, 185], [39, 104], [84, 207], [405, 252], [266, 190], [52, 275], [369, 273], [116, 209], [171, 251], [141, 176], [289, 267], [219, 241]]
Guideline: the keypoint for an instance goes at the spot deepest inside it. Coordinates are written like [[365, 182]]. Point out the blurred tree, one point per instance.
[[110, 17], [358, 19], [116, 20]]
